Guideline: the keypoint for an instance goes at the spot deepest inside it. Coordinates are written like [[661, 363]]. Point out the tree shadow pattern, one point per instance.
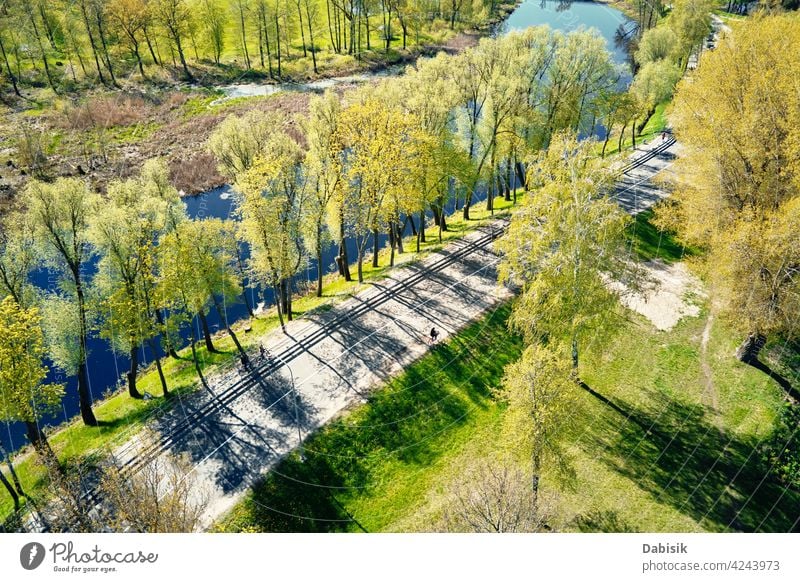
[[674, 451]]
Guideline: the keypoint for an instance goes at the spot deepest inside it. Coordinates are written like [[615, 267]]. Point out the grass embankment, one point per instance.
[[121, 416], [649, 452]]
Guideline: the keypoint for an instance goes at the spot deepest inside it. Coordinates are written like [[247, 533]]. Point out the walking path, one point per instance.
[[324, 364]]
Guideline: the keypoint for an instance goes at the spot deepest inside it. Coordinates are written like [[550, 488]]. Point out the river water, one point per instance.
[[107, 369]]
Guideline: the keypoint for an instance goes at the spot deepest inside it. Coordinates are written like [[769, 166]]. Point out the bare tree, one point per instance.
[[495, 497]]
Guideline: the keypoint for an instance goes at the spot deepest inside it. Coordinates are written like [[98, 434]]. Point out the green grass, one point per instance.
[[122, 416], [645, 445], [648, 242]]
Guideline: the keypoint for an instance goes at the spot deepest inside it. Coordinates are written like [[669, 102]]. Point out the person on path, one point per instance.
[[434, 334]]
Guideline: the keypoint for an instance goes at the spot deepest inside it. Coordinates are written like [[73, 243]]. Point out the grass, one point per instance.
[[371, 468], [647, 453], [648, 242], [122, 416]]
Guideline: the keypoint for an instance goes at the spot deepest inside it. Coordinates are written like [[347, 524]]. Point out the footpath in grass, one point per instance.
[[121, 417]]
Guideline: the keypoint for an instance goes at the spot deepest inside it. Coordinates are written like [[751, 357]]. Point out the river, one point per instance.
[[107, 370]]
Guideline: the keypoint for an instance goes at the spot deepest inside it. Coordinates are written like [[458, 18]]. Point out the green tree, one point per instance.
[[125, 235], [273, 192], [60, 214], [324, 175], [563, 244], [736, 190], [23, 394], [540, 394]]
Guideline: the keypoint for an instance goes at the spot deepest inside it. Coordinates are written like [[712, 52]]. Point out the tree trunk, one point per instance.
[[287, 298], [102, 34], [41, 446], [399, 238], [605, 143], [375, 249], [133, 392], [10, 489], [178, 45], [621, 135], [575, 355], [197, 361], [360, 264], [150, 46], [12, 471], [392, 241], [157, 358], [224, 318], [8, 69], [206, 332], [139, 60], [278, 307], [342, 260], [311, 35], [319, 262], [84, 394], [750, 348]]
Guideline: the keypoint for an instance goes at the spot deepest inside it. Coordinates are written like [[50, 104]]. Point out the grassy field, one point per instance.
[[121, 416], [649, 451]]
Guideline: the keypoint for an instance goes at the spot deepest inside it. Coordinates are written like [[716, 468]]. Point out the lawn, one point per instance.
[[121, 416]]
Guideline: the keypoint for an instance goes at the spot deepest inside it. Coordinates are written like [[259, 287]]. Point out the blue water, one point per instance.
[[573, 16]]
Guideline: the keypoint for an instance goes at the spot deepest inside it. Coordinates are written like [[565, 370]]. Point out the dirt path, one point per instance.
[[710, 395]]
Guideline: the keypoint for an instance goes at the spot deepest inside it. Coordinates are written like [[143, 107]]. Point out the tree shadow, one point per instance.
[[681, 457], [597, 521]]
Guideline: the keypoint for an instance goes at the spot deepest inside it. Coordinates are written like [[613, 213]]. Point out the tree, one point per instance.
[[161, 496], [563, 244], [214, 20], [131, 16], [273, 194], [656, 44], [207, 251], [60, 214], [324, 175], [125, 235], [690, 20], [374, 140], [494, 497], [23, 394], [174, 16], [654, 84], [17, 257], [736, 190], [539, 391]]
